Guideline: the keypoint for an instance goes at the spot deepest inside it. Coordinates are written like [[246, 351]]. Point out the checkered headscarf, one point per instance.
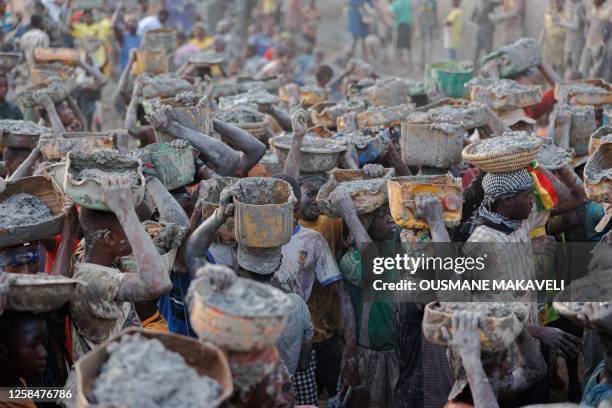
[[503, 185], [497, 186]]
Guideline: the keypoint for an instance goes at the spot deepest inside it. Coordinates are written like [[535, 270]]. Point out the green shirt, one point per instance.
[[402, 10], [10, 111], [377, 326]]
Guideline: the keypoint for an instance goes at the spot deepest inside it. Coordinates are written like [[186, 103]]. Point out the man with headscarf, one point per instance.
[[500, 229]]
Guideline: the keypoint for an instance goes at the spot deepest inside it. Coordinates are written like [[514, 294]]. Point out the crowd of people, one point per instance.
[[244, 104]]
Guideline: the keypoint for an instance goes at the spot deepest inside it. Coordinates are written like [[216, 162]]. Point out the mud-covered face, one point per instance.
[[309, 210], [516, 207], [383, 226], [24, 351]]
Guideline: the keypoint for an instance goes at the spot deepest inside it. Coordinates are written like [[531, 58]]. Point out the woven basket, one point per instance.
[[500, 162]]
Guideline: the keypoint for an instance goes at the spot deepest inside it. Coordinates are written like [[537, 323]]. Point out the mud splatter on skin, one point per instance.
[[103, 163], [142, 373], [510, 142], [23, 209]]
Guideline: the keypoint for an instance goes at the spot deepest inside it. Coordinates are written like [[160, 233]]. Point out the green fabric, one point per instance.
[[376, 321], [593, 213], [402, 10], [428, 10], [10, 111]]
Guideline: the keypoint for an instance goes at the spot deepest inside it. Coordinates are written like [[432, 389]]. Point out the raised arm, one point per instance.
[[122, 87], [224, 159], [465, 341], [201, 239], [151, 280], [25, 168], [99, 78], [279, 115], [70, 232], [170, 211], [570, 189], [299, 123], [251, 148], [43, 100]]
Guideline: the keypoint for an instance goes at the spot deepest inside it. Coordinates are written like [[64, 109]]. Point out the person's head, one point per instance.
[[324, 74], [87, 17], [4, 87], [103, 231], [381, 225], [199, 31], [509, 194], [13, 157], [131, 23], [219, 45], [598, 3], [309, 188], [456, 3], [39, 8], [22, 345], [164, 16], [20, 259], [557, 5], [295, 186], [2, 6], [66, 115], [143, 5], [37, 21]]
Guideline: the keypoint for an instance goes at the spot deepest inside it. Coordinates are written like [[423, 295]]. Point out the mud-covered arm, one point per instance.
[[279, 115], [299, 124], [122, 87], [570, 189], [99, 78], [200, 240], [25, 168], [344, 206], [77, 111], [348, 368], [170, 211], [465, 341], [43, 100], [549, 74], [531, 364], [70, 232], [151, 280], [131, 114], [224, 159], [251, 148], [430, 209]]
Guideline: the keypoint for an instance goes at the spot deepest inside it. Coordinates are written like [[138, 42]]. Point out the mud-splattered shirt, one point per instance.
[[96, 315], [306, 257]]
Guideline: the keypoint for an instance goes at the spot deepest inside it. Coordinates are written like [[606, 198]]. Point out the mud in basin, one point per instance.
[[23, 209], [103, 163]]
